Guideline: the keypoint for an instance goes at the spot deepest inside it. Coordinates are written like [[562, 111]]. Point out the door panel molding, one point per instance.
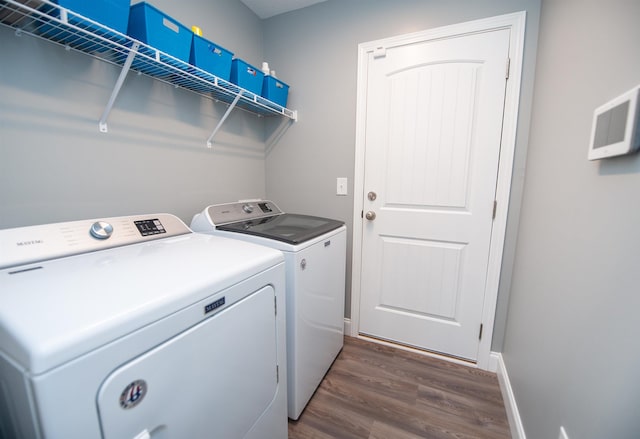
[[515, 22]]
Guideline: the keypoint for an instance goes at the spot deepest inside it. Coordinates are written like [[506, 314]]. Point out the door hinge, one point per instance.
[[495, 208], [277, 374], [508, 68], [379, 52], [480, 335]]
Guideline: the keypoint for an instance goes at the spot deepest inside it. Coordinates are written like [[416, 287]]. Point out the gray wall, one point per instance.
[[571, 346], [315, 50], [55, 165]]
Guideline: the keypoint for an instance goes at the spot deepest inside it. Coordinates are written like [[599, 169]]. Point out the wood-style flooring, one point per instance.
[[377, 392]]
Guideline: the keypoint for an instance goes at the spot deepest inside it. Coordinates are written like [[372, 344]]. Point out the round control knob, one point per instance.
[[248, 208], [370, 215], [101, 230]]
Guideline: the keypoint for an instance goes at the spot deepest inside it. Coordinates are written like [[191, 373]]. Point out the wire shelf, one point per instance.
[[44, 19]]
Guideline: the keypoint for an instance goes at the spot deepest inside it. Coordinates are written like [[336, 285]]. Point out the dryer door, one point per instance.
[[213, 380]]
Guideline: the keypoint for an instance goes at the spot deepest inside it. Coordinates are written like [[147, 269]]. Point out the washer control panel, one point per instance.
[[150, 227], [48, 241], [241, 211]]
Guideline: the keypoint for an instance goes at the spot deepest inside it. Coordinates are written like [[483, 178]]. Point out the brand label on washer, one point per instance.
[[133, 394], [213, 305]]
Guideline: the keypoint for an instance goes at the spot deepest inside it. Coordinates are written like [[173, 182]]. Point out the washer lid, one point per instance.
[[58, 310], [287, 227]]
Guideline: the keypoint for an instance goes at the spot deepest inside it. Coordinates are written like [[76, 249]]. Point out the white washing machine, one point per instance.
[[137, 328], [315, 258]]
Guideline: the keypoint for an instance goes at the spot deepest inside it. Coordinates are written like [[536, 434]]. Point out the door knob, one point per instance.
[[372, 196], [370, 215]]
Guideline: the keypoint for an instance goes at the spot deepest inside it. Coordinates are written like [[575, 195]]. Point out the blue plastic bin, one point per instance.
[[246, 76], [113, 14], [275, 90], [210, 57], [155, 28]]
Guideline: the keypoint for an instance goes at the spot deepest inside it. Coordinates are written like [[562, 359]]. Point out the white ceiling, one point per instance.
[[269, 8]]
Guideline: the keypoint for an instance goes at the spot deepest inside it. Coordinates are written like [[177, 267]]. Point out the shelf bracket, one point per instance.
[[278, 133], [217, 128], [102, 125]]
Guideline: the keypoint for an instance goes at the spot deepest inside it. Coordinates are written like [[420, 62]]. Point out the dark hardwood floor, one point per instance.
[[377, 392]]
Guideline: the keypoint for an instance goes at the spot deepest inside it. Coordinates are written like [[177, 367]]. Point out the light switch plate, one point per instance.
[[341, 186]]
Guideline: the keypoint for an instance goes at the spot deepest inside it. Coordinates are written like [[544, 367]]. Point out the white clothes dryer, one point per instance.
[[136, 328], [315, 257]]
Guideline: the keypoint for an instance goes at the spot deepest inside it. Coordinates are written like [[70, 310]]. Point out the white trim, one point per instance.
[[516, 23], [513, 415], [494, 359], [358, 188], [503, 189], [347, 326]]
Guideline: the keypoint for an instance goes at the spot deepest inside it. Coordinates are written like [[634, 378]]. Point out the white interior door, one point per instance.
[[434, 112]]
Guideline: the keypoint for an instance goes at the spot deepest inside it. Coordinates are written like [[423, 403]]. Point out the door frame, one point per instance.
[[516, 23]]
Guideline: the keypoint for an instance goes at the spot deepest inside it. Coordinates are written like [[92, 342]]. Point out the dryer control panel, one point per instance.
[[48, 241]]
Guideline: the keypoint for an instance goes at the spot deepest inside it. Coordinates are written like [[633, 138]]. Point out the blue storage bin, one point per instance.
[[113, 14], [210, 57], [246, 76], [155, 28], [275, 90]]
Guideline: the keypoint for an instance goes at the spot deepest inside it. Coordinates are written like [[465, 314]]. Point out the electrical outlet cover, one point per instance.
[[341, 186]]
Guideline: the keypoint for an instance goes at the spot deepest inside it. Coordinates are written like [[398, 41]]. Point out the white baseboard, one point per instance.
[[494, 359], [347, 326], [513, 415]]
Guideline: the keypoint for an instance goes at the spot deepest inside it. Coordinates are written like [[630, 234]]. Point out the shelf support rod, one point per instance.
[[226, 114], [102, 125], [277, 135]]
